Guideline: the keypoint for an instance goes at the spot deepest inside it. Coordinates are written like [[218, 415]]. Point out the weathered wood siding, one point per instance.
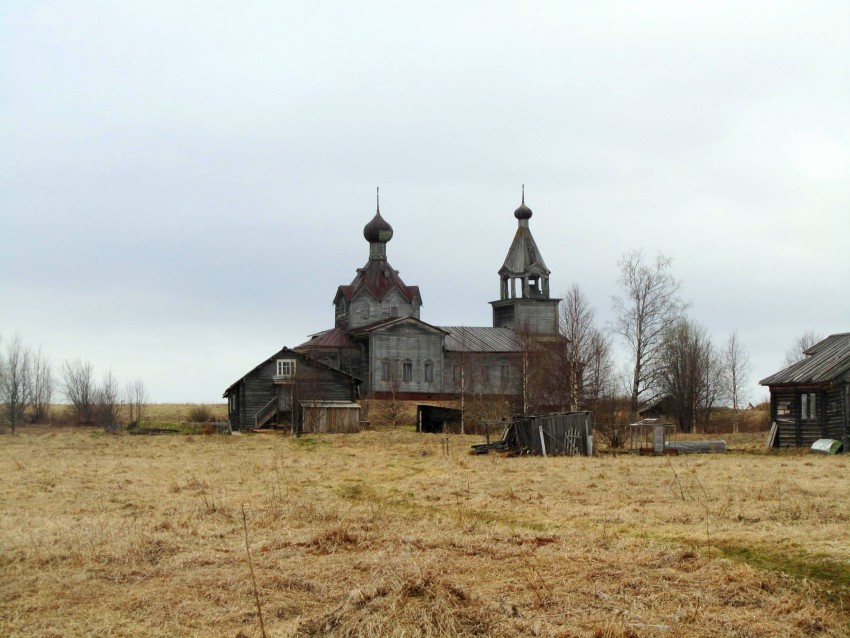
[[366, 309], [538, 316], [405, 342], [331, 419], [483, 372], [312, 381], [830, 421]]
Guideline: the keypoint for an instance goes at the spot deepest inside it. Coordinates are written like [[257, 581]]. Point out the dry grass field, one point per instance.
[[383, 534]]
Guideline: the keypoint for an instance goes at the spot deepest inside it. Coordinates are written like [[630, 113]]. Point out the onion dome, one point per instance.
[[378, 230], [523, 212]]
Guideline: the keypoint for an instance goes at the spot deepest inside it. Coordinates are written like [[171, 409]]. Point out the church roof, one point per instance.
[[523, 256], [383, 323], [334, 338], [379, 278], [481, 339]]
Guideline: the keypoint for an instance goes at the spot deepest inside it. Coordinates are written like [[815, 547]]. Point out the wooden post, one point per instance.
[[542, 442]]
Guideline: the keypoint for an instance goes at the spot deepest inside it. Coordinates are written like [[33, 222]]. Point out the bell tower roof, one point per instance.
[[524, 256]]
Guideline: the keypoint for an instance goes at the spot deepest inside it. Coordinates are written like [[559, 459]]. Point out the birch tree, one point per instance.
[[649, 305], [737, 364]]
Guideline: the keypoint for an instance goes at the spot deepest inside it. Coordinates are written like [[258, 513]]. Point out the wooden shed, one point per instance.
[[275, 391], [810, 400], [330, 416]]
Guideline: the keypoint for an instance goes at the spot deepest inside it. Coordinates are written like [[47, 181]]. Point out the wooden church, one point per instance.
[[380, 347]]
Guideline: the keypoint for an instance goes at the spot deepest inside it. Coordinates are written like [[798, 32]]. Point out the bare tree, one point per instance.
[[136, 399], [802, 343], [576, 325], [80, 388], [462, 373], [600, 391], [392, 408], [689, 372], [736, 362], [106, 403], [42, 388], [15, 380], [649, 306]]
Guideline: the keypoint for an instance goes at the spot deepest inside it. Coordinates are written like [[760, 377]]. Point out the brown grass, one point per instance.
[[382, 534]]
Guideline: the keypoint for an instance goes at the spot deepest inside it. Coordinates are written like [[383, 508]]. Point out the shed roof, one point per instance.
[[348, 405], [278, 355], [827, 360], [481, 339]]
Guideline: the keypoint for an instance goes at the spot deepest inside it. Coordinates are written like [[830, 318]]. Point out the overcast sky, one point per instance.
[[183, 185]]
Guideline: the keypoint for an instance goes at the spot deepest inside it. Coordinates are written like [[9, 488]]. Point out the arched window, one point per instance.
[[407, 370]]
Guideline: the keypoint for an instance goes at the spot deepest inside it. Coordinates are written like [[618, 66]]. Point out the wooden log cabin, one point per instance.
[[291, 389], [810, 400]]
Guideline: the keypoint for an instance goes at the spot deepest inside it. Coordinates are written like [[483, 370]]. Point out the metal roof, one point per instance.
[[481, 339], [827, 360], [334, 338], [383, 323]]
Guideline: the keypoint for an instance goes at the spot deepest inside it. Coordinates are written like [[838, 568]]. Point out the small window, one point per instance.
[[285, 367], [394, 311], [385, 312], [407, 371], [429, 372], [504, 373], [364, 311], [808, 406], [386, 371]]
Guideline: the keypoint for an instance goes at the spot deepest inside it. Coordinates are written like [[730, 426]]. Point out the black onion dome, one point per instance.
[[523, 212], [378, 230]]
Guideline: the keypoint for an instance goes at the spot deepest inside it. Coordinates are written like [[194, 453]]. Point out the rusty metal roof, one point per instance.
[[481, 339], [379, 278], [827, 360], [334, 338]]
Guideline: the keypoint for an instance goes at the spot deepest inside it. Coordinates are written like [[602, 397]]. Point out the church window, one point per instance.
[[429, 372], [407, 370], [285, 368]]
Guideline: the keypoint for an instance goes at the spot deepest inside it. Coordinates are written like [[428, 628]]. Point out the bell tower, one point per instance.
[[524, 303]]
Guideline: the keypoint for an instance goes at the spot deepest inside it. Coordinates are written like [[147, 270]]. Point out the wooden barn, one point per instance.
[[810, 400], [292, 390]]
